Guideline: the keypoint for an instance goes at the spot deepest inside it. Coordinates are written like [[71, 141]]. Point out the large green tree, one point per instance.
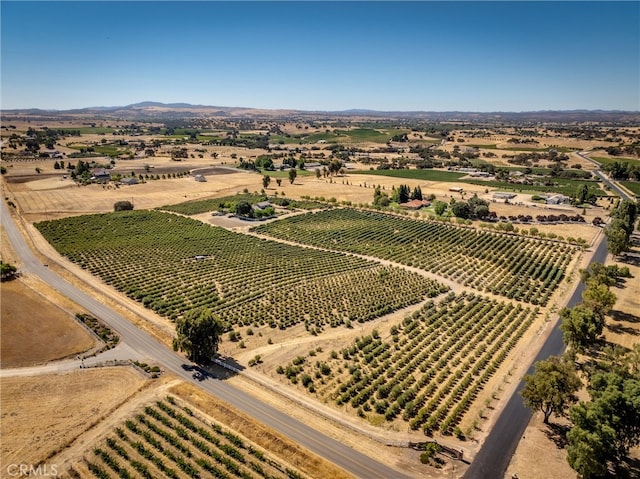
[[586, 453], [552, 387], [7, 270], [243, 208], [581, 326], [606, 427], [619, 231], [598, 297], [198, 334], [292, 175]]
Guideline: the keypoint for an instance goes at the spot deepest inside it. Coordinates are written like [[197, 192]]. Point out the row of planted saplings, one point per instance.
[[168, 441]]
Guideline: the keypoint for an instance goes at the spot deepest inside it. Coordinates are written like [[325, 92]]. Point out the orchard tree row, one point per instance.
[[173, 264], [427, 372], [525, 269]]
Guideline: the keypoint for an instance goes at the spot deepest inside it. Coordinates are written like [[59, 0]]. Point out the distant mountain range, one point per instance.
[[164, 111]]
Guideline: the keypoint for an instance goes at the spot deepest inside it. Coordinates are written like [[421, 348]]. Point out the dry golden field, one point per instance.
[[42, 415], [35, 330]]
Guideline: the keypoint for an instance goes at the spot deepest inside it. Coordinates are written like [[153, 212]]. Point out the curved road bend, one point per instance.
[[350, 460], [494, 456]]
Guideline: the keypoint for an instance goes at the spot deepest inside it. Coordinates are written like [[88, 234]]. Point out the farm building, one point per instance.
[[556, 199], [501, 195], [200, 178], [130, 180], [456, 189], [51, 154], [262, 205], [100, 174], [414, 204]]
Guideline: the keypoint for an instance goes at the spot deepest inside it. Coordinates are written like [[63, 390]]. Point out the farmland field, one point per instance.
[[563, 186], [427, 175], [355, 135], [172, 264], [518, 268], [633, 186], [169, 440], [428, 371], [604, 160], [42, 415], [36, 330]]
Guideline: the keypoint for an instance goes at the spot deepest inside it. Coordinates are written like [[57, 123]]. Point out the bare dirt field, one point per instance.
[[59, 408], [35, 330]]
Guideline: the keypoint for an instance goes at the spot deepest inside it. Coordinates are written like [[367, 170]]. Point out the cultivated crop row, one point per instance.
[[513, 266], [428, 371], [167, 440], [172, 264]]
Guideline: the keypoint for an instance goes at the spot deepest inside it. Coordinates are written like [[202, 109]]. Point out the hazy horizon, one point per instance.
[[323, 56], [356, 110]]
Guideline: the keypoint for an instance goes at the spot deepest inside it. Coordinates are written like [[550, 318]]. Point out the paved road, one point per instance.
[[352, 461], [613, 186], [494, 456]]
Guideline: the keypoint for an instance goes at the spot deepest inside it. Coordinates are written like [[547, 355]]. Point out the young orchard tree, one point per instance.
[[198, 334], [552, 387]]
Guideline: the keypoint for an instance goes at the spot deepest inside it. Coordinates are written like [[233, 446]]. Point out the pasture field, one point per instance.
[[604, 160], [172, 264], [512, 266], [427, 372], [414, 174], [633, 186], [561, 186], [353, 135]]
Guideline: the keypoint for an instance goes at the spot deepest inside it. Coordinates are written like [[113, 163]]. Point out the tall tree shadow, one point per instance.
[[629, 469], [622, 316], [558, 434]]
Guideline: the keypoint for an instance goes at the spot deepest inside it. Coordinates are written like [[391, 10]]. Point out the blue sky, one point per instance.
[[430, 56]]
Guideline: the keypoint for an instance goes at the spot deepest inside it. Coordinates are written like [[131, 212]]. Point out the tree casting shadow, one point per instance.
[[558, 434]]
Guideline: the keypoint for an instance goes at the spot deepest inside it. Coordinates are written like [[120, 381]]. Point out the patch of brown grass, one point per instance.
[[35, 330], [41, 415]]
